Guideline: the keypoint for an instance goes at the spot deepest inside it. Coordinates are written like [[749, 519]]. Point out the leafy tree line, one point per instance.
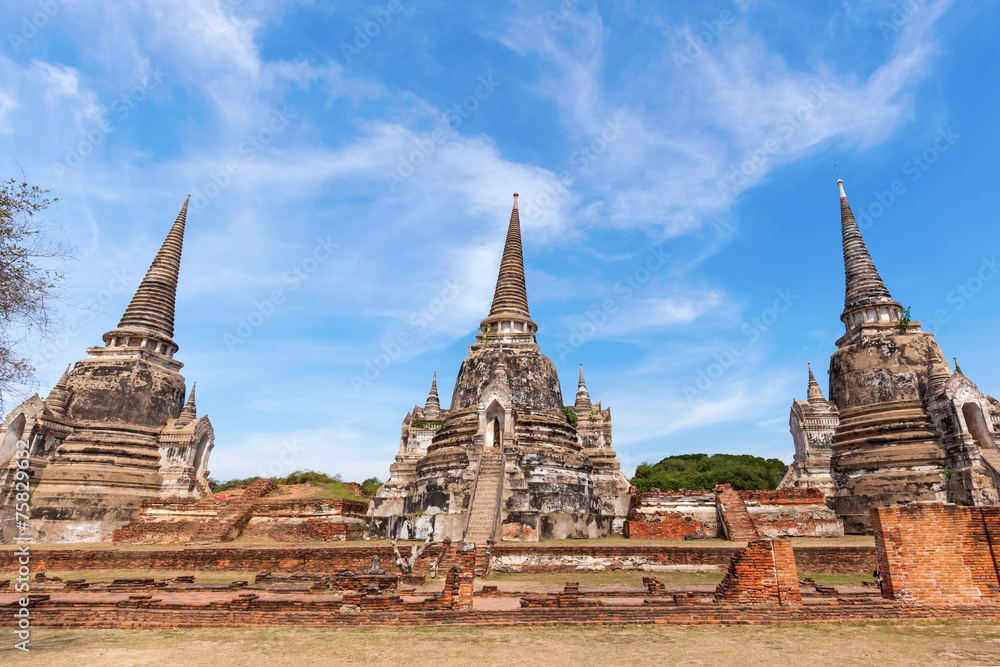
[[370, 485], [701, 471]]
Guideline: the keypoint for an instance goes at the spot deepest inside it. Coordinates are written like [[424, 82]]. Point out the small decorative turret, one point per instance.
[[583, 403], [938, 377], [509, 319], [189, 412], [958, 369], [815, 394], [866, 299], [55, 404], [432, 408]]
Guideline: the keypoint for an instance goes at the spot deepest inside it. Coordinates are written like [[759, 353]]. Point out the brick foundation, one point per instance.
[[505, 558]]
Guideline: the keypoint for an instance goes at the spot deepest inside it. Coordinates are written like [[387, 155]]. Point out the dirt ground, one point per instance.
[[885, 644]]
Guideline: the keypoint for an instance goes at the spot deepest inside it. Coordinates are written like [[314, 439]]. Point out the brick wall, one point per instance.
[[166, 521], [676, 515], [388, 611], [763, 571], [938, 553], [506, 558], [784, 497], [672, 515]]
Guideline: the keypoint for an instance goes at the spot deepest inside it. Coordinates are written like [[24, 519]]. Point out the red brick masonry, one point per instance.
[[936, 553], [764, 571], [532, 558]]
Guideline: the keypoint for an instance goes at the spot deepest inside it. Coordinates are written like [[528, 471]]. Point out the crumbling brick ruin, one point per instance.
[[763, 571], [936, 553], [167, 521], [734, 515]]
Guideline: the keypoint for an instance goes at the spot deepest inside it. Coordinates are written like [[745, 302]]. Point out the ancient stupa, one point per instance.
[[900, 425], [116, 427], [507, 460]]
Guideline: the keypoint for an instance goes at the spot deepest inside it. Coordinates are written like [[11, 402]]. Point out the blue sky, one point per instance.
[[351, 168]]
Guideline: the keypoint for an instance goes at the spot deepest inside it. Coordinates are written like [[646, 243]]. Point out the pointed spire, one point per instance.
[[510, 295], [864, 285], [56, 401], [958, 369], [432, 408], [815, 393], [582, 396], [509, 315], [189, 412], [151, 311]]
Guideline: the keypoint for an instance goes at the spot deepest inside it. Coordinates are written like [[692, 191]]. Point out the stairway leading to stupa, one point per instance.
[[485, 504]]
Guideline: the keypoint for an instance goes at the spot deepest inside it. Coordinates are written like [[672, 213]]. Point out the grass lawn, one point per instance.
[[882, 644], [111, 575]]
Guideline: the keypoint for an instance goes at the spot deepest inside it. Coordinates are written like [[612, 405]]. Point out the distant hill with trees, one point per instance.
[[333, 484], [701, 471]]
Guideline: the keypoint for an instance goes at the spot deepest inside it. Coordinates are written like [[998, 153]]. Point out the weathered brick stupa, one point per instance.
[[901, 425], [116, 428], [507, 460]]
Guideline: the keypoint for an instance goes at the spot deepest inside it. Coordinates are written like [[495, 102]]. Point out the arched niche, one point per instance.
[[14, 433], [495, 426], [201, 453], [975, 421]]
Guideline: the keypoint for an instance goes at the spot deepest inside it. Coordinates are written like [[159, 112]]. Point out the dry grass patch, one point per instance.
[[111, 575], [817, 645]]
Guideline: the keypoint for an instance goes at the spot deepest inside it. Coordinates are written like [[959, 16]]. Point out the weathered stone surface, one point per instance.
[[904, 427], [504, 461], [115, 429]]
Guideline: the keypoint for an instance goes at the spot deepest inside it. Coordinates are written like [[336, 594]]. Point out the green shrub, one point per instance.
[[371, 485], [701, 471]]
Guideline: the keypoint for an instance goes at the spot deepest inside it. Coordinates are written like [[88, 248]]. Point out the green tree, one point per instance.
[[701, 471], [371, 485]]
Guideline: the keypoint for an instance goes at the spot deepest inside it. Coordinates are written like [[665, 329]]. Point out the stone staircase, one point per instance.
[[734, 515], [229, 522], [486, 501]]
